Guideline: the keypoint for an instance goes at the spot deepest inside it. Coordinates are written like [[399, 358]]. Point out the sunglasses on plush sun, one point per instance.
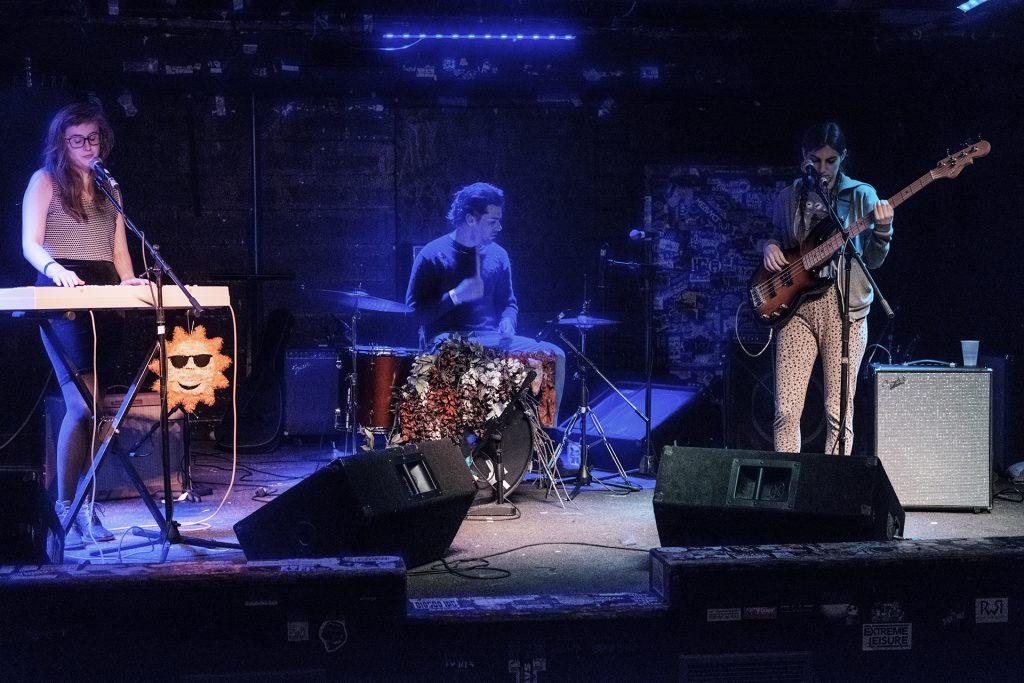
[[201, 360]]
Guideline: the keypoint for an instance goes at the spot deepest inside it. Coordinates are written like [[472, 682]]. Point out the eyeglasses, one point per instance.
[[201, 360], [78, 141]]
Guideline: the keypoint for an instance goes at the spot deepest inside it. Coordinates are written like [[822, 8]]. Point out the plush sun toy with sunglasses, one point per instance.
[[195, 368]]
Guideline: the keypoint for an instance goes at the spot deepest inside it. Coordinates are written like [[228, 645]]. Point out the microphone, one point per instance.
[[645, 234], [549, 328], [810, 173], [602, 257], [501, 423], [102, 174]]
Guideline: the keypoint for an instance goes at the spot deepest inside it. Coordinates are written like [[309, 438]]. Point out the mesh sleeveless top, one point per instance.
[[93, 240]]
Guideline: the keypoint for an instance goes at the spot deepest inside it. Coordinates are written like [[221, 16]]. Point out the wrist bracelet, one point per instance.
[[451, 295], [47, 267]]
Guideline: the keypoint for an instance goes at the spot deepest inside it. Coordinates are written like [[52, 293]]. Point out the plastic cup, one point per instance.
[[969, 348]]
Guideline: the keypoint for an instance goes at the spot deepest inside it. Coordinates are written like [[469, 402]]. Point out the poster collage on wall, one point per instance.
[[713, 221]]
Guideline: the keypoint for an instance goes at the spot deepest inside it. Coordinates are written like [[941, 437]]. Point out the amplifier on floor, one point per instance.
[[139, 435], [933, 431], [312, 380], [707, 496], [408, 501]]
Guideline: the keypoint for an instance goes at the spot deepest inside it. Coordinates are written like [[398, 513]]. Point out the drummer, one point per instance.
[[462, 282]]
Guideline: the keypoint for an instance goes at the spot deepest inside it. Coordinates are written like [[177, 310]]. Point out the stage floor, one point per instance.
[[596, 543]]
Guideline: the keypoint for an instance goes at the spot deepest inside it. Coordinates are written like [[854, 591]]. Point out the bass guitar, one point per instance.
[[775, 296]]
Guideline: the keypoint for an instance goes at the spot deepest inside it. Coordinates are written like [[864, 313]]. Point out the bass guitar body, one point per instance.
[[775, 297]]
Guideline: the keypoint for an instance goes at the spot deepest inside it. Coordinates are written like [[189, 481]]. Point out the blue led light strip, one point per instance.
[[969, 5], [480, 36]]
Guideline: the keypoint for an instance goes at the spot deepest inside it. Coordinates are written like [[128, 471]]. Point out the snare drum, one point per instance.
[[379, 371]]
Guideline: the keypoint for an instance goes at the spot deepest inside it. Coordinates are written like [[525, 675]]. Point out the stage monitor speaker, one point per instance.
[[139, 436], [933, 431], [28, 523], [672, 407], [408, 501], [749, 409], [312, 403], [709, 496]]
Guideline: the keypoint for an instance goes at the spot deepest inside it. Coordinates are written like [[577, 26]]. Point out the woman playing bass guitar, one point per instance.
[[816, 325]]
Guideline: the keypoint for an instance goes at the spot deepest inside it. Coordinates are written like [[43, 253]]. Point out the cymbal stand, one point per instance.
[[352, 410], [583, 414]]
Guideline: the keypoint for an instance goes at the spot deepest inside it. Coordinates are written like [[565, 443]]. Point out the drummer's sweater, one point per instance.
[[439, 268]]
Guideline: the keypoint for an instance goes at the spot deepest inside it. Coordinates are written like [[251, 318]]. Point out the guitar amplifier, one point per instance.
[[312, 382], [139, 437], [934, 434]]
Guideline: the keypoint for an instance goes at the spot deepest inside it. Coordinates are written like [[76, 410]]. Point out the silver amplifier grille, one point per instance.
[[933, 434]]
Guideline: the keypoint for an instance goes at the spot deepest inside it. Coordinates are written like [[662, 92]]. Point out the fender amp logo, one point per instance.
[[895, 383]]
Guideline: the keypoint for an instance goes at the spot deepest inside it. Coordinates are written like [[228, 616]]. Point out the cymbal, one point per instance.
[[585, 322], [364, 301]]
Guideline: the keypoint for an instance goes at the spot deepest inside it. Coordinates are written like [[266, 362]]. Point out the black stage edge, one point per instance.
[[903, 610], [221, 617]]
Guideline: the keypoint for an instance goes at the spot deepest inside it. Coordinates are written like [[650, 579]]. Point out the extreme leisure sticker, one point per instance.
[[876, 637]]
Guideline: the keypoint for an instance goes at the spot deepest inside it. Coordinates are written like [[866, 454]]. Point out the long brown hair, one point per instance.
[[67, 182]]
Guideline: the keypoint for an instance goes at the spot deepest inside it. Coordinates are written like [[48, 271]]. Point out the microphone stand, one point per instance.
[[647, 465], [848, 248], [169, 532], [644, 270]]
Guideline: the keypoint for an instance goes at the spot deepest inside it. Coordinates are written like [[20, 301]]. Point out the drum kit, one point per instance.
[[376, 372]]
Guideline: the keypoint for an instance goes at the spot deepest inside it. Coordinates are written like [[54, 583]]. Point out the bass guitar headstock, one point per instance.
[[952, 165]]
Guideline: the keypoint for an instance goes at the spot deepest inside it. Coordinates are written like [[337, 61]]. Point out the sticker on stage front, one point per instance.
[[725, 614], [991, 610], [881, 637]]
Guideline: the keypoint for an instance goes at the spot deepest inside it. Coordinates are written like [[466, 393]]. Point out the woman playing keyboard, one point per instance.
[[72, 235]]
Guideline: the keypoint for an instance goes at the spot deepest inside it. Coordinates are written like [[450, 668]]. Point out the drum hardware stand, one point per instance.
[[583, 414], [168, 528]]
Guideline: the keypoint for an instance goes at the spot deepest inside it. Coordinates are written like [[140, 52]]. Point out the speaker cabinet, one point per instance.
[[28, 523], [408, 501], [934, 434], [139, 436], [749, 409], [709, 496], [312, 402]]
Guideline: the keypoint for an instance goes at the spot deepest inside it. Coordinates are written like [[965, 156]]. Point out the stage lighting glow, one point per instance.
[[970, 4], [563, 37]]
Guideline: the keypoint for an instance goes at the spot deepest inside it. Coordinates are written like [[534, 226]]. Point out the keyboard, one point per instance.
[[107, 297]]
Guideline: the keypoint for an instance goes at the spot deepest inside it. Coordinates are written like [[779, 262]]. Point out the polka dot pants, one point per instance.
[[816, 328]]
